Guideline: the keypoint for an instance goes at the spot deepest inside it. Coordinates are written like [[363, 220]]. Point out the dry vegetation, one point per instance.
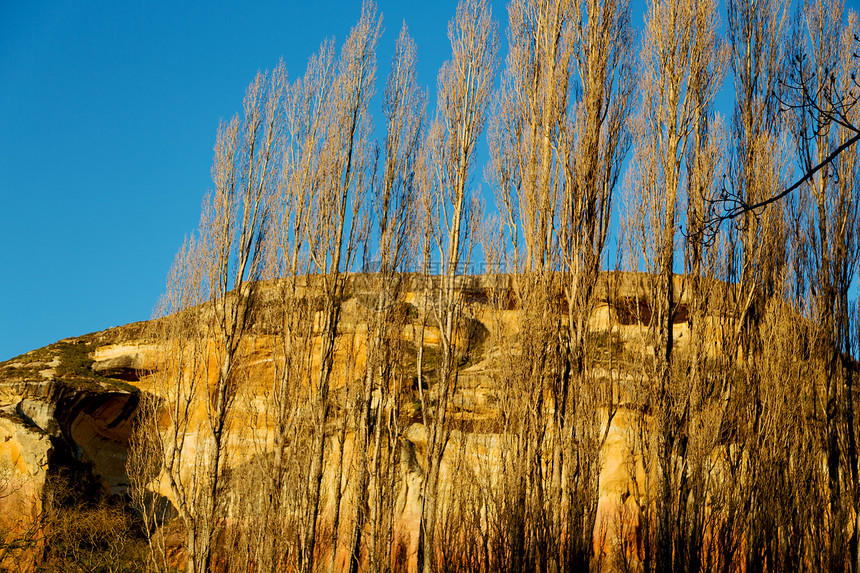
[[730, 393]]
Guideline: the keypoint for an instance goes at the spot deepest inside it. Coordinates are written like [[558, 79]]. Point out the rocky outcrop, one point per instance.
[[123, 361], [24, 462], [60, 421], [24, 455], [70, 408], [91, 428]]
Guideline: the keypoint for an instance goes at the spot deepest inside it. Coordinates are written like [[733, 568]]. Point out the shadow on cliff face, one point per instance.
[[92, 444], [89, 513]]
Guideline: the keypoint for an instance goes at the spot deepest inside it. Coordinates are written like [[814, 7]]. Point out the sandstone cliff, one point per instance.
[[69, 408]]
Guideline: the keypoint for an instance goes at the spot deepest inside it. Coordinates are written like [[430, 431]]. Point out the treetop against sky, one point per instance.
[[108, 115], [107, 124]]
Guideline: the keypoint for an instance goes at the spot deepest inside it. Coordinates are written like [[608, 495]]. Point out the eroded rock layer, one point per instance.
[[70, 408]]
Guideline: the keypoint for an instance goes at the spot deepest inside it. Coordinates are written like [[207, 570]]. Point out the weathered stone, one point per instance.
[[92, 423]]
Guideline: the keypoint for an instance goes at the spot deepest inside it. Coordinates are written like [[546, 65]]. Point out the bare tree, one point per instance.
[[301, 188], [593, 144], [755, 254], [798, 93], [831, 217], [282, 426], [207, 311], [557, 143], [465, 82], [527, 171], [393, 208], [758, 41], [143, 466], [333, 227], [683, 64]]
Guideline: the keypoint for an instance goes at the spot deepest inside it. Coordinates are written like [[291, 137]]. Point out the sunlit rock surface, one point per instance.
[[70, 407]]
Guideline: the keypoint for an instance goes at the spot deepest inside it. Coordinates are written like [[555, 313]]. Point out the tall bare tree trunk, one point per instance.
[[199, 374], [683, 64], [345, 179], [394, 214], [465, 82]]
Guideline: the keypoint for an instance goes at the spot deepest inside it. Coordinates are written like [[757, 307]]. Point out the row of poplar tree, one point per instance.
[[740, 438]]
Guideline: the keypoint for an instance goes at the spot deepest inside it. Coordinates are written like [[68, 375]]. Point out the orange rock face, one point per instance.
[[93, 423]]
